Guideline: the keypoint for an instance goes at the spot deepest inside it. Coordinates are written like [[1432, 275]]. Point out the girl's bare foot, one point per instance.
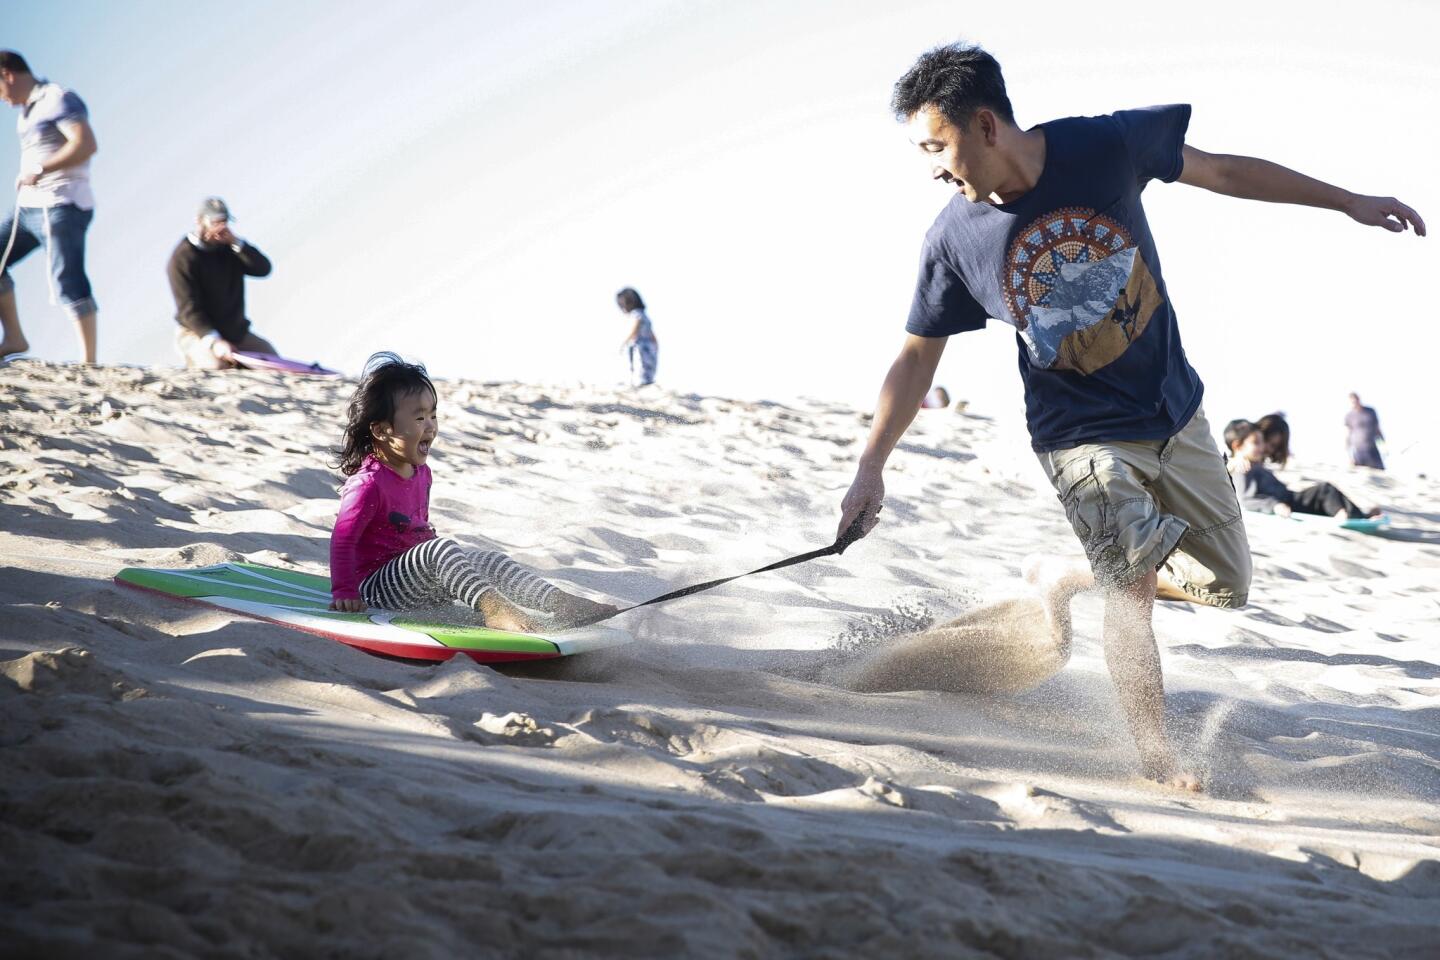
[[511, 622], [500, 614], [573, 611], [8, 347]]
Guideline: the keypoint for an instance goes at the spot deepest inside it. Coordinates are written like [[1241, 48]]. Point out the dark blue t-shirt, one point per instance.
[[1072, 266]]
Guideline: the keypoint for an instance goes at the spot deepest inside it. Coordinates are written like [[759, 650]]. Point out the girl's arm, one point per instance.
[[634, 331], [358, 505]]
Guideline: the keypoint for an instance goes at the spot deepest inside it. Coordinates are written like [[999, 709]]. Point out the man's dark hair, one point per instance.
[[958, 79], [629, 300], [12, 61], [1236, 431]]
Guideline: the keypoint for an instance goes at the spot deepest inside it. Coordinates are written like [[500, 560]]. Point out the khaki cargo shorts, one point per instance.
[[1144, 505]]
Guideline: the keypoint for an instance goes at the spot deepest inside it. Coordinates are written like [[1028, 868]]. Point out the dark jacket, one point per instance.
[[1261, 490], [209, 287]]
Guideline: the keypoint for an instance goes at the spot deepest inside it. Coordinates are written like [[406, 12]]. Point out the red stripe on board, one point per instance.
[[405, 650]]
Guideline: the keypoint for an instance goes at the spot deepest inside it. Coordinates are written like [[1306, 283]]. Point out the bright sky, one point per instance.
[[470, 183]]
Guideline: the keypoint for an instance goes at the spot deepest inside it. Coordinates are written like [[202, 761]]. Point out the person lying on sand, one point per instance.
[[1261, 491], [384, 552], [1046, 231]]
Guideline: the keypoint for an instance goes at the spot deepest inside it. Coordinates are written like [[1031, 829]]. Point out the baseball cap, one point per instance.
[[213, 208]]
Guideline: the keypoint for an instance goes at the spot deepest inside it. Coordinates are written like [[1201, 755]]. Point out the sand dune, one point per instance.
[[774, 768]]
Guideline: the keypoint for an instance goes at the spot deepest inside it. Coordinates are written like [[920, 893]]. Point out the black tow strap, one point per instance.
[[849, 536]]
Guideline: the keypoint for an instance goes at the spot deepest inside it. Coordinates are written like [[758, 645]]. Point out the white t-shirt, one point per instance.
[[48, 111]]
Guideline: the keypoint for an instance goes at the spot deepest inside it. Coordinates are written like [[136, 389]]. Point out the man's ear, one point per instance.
[[986, 123]]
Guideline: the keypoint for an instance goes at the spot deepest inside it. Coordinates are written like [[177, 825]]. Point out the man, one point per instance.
[[207, 275], [1047, 233], [1362, 429], [53, 203]]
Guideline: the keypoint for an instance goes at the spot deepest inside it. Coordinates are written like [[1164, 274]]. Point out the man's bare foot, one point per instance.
[[8, 347], [1374, 513], [1057, 578], [1164, 771]]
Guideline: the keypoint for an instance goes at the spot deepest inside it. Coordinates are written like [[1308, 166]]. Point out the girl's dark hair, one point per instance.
[[1277, 436], [386, 377], [957, 79], [629, 300]]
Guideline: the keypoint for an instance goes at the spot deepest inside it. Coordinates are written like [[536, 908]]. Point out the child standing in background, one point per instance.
[[640, 344], [384, 553]]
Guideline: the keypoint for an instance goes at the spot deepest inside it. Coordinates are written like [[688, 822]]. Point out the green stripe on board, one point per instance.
[[257, 583]]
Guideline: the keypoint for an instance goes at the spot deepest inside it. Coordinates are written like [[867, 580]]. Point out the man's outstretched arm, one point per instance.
[[1250, 178]]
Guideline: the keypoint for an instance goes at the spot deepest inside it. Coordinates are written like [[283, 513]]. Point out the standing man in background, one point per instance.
[[1362, 429], [207, 275], [53, 203]]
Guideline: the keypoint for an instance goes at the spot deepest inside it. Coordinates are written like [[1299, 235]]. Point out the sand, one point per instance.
[[774, 768]]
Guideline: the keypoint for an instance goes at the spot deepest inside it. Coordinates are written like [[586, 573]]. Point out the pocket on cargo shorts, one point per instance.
[[1113, 515], [1083, 500]]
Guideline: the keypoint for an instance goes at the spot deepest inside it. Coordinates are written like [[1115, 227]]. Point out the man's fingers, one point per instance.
[[1406, 214], [1393, 215], [849, 515]]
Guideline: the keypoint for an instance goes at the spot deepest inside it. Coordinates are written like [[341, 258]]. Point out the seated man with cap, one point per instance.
[[207, 275]]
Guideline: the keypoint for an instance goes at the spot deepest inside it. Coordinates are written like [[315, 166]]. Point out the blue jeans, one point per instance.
[[61, 230]]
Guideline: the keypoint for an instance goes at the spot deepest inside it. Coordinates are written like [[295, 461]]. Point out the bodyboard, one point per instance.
[[1372, 525], [302, 600], [268, 361]]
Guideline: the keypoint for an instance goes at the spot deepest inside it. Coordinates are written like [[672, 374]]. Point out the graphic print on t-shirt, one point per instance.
[[1078, 289]]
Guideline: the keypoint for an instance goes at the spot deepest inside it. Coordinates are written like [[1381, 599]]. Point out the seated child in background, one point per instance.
[[1261, 491], [384, 553]]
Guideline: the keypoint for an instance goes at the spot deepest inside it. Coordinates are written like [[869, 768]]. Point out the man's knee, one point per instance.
[[1223, 584], [1235, 582]]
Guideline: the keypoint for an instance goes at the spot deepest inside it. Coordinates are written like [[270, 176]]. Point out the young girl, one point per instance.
[[384, 553], [640, 344]]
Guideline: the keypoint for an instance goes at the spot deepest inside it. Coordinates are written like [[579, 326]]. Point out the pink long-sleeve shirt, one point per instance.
[[382, 514]]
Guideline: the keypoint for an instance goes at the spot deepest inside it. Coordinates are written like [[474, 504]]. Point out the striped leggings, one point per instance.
[[442, 570]]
